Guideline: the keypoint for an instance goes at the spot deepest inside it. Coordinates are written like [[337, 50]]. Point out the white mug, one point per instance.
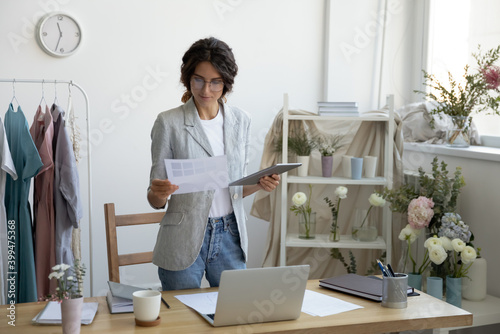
[[146, 304], [346, 166], [370, 164]]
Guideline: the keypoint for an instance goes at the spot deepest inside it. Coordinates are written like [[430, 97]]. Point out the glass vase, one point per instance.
[[454, 291], [307, 226], [458, 135], [334, 232], [363, 229]]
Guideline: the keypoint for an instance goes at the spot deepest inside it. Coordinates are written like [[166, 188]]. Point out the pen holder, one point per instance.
[[394, 291]]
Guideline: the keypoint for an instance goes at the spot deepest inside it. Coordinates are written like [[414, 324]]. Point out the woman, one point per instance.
[[202, 232]]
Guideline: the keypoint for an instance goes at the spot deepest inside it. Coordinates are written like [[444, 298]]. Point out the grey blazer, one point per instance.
[[178, 134]]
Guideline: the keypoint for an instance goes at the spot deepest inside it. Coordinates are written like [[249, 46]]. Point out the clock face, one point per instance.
[[59, 34]]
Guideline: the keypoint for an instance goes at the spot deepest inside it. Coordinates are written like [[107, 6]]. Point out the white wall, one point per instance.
[[277, 45]]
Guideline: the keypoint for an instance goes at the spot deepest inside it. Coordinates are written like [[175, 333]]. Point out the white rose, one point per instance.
[[409, 233], [341, 192], [432, 241], [376, 200], [446, 242], [299, 198], [468, 255], [437, 254], [458, 245], [64, 267]]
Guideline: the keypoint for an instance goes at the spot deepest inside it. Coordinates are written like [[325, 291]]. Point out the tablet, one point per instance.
[[255, 177]]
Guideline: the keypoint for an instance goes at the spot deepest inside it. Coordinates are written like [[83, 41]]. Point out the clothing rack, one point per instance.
[[87, 109]]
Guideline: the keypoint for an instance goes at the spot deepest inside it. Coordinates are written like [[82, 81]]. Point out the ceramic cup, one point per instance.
[[146, 304], [346, 166], [370, 164], [356, 168], [394, 291]]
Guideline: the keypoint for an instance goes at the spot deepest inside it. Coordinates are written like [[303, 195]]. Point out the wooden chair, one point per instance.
[[113, 221]]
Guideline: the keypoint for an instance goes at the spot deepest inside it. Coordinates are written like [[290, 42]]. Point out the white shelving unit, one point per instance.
[[321, 241]]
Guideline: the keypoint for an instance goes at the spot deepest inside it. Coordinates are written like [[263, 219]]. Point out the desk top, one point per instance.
[[423, 312]]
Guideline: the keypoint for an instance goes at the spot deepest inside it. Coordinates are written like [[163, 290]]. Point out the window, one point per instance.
[[457, 27]]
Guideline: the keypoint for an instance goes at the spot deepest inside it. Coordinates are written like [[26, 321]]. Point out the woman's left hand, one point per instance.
[[269, 183]]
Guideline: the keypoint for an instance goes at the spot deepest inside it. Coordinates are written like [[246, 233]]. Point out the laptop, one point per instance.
[[258, 295]]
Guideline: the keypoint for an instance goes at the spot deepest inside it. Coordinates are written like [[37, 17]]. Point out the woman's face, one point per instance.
[[207, 86]]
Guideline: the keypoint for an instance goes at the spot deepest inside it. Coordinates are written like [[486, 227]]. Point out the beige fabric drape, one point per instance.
[[360, 139]]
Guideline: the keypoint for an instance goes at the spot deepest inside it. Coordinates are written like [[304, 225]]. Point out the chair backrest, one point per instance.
[[115, 261]]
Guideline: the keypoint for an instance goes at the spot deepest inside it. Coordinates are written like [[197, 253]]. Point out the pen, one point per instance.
[[389, 268], [381, 266], [165, 302]]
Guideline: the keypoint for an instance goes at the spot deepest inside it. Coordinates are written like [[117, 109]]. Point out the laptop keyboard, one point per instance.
[[211, 316]]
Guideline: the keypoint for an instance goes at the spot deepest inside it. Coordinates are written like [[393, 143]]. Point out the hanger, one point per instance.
[[43, 94], [55, 93], [14, 94]]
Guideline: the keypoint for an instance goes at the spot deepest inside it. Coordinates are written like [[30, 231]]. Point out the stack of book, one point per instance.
[[119, 297], [338, 109]]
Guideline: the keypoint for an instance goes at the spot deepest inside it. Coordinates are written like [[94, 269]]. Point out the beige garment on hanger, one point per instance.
[[360, 139]]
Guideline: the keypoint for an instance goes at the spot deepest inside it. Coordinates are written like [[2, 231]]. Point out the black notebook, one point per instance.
[[363, 286]]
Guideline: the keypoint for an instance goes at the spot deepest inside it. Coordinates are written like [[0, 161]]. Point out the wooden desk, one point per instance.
[[423, 312]]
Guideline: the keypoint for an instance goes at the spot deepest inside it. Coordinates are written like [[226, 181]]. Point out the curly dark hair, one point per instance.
[[215, 51]]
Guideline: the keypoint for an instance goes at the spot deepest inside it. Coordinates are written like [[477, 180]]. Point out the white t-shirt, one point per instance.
[[214, 129]]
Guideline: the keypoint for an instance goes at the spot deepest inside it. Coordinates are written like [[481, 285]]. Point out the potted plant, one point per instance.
[[301, 145], [69, 293], [477, 92], [327, 145]]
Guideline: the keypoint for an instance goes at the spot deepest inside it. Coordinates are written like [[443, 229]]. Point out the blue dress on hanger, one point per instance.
[[27, 163]]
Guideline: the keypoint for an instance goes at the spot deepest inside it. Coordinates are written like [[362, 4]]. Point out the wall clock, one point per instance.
[[59, 34]]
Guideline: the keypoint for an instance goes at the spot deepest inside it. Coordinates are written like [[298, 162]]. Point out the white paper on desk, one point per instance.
[[204, 303], [192, 175], [51, 313], [318, 304]]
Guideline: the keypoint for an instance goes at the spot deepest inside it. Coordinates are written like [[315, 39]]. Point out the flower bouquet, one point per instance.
[[69, 281], [420, 213], [340, 193], [307, 220], [477, 92]]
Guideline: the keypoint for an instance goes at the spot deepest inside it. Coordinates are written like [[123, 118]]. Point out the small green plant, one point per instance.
[[337, 255], [328, 144], [300, 144]]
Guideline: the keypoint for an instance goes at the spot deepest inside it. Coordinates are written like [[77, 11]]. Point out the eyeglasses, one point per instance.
[[214, 85]]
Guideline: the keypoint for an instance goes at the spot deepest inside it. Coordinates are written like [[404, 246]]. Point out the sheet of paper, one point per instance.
[[202, 302], [51, 314], [318, 304], [192, 175]]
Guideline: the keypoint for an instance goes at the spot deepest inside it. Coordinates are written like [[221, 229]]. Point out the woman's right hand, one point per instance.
[[159, 192], [162, 189]]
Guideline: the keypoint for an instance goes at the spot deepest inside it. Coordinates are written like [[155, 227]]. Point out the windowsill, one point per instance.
[[472, 152]]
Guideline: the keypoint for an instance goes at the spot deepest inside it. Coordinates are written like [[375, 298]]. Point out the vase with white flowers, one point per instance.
[[363, 229], [307, 219], [460, 255], [340, 193], [69, 292], [327, 145]]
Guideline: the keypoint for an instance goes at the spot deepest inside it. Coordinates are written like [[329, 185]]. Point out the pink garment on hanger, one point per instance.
[[42, 132]]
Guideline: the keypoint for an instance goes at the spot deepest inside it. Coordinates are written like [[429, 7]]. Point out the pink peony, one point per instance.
[[492, 76], [420, 212]]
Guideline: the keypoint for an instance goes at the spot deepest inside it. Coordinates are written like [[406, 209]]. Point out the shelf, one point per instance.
[[346, 241], [360, 118], [337, 180]]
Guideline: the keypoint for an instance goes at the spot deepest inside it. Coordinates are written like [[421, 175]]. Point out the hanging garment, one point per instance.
[[68, 207], [42, 132], [6, 166], [27, 163]]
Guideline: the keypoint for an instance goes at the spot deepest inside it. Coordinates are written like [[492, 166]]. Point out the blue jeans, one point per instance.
[[220, 251]]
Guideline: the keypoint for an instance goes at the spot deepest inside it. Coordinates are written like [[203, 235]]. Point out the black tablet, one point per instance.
[[255, 177]]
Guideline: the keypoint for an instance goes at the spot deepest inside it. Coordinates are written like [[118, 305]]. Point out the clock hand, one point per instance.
[[60, 36]]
